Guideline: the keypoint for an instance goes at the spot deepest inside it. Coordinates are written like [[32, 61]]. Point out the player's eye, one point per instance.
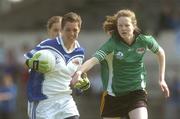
[[67, 30], [127, 25]]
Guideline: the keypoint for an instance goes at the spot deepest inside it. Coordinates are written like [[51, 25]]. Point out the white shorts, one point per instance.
[[54, 108]]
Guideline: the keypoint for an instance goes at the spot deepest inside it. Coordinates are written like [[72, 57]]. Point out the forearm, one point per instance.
[[161, 61], [88, 64], [78, 76]]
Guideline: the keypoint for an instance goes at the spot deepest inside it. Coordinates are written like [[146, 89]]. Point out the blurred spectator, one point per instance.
[[2, 53], [8, 92], [175, 95], [166, 21], [173, 105], [23, 76], [177, 31], [9, 87], [20, 59], [22, 49], [11, 64]]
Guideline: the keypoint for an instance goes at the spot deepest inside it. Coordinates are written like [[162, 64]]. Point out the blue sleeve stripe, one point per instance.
[[31, 53], [27, 56]]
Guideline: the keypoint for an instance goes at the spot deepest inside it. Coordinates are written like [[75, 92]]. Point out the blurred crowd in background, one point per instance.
[[161, 18]]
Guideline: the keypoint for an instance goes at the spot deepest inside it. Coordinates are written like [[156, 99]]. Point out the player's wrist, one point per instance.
[[79, 72]]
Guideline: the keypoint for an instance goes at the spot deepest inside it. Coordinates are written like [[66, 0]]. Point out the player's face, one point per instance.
[[70, 31], [125, 27], [55, 30]]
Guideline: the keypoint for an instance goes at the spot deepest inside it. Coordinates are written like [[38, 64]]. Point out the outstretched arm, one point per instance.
[[161, 60], [83, 69], [88, 64]]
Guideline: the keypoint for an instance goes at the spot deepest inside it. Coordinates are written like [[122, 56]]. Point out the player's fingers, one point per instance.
[[44, 66], [86, 87], [37, 55], [86, 80], [162, 88], [43, 62], [77, 85], [167, 92], [81, 81]]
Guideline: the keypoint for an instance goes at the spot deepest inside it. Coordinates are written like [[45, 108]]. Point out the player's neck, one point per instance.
[[69, 45], [129, 40]]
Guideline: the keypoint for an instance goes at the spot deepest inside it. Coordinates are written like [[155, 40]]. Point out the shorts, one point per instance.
[[120, 106], [57, 108]]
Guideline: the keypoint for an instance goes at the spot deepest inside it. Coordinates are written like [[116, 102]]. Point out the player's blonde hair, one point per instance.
[[52, 20], [110, 24]]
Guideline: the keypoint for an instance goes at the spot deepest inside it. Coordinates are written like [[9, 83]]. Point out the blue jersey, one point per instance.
[[42, 86]]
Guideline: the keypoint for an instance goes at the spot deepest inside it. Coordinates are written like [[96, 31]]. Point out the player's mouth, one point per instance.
[[124, 33]]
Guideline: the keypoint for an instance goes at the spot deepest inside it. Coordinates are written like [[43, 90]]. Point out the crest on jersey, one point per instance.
[[57, 59], [140, 50], [119, 55]]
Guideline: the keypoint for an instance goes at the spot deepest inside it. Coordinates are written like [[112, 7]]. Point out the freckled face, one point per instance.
[[125, 27], [70, 31]]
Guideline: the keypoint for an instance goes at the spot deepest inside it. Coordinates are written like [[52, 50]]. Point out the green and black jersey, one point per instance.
[[122, 67]]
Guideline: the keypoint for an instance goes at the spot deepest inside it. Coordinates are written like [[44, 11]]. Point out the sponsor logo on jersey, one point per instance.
[[119, 55], [140, 50]]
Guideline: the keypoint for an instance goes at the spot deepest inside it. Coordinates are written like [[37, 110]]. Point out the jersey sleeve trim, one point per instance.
[[100, 55], [154, 49], [151, 43]]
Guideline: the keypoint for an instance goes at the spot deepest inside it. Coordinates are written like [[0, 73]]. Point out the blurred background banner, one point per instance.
[[23, 25]]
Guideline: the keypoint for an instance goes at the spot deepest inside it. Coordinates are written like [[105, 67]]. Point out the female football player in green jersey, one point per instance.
[[122, 67]]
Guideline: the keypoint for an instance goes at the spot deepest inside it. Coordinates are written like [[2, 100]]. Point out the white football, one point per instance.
[[48, 56]]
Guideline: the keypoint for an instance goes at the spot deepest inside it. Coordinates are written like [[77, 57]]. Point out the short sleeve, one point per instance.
[[35, 49], [152, 44], [31, 53], [104, 50]]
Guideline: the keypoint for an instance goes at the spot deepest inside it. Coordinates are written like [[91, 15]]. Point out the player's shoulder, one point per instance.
[[144, 37], [79, 48], [49, 42]]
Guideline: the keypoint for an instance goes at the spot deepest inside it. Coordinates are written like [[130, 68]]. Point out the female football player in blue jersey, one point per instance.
[[49, 93], [122, 67]]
